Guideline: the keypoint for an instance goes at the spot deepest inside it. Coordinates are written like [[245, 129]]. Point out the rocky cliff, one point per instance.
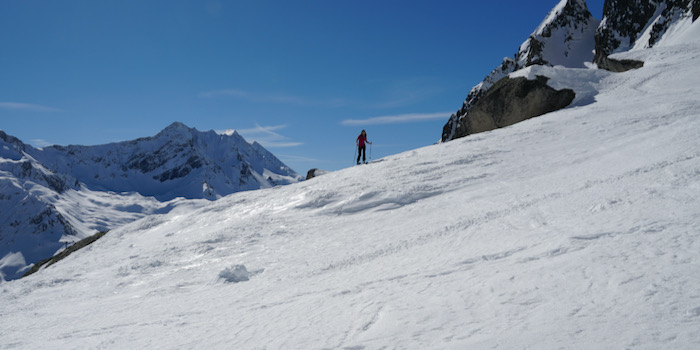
[[570, 37]]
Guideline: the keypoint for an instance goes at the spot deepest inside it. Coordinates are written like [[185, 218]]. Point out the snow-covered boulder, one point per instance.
[[234, 274]]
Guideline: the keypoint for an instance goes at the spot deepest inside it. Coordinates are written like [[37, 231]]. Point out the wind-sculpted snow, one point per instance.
[[578, 229]]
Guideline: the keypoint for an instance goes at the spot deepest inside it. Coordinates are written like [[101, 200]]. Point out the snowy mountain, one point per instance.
[[52, 197], [30, 227], [568, 37], [577, 229], [177, 162]]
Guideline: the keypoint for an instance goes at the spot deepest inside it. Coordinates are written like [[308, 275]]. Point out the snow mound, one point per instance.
[[234, 274]]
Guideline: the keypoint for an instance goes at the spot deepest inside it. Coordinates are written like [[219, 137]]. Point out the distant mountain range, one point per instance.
[[568, 37], [53, 196]]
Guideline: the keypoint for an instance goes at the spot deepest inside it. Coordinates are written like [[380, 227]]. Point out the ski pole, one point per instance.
[[353, 155]]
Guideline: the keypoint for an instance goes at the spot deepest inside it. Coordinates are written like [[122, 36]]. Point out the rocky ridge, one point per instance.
[[570, 37]]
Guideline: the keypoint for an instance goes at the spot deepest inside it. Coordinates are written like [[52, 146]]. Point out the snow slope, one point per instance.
[[55, 196], [578, 229]]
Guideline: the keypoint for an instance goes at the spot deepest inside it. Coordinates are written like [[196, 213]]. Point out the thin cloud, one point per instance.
[[17, 106], [266, 136], [397, 119], [263, 130], [297, 159]]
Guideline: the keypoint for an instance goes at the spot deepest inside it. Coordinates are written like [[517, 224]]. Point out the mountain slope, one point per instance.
[[578, 229], [55, 196], [30, 227], [565, 37], [630, 24]]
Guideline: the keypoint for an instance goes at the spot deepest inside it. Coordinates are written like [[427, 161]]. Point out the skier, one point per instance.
[[361, 147]]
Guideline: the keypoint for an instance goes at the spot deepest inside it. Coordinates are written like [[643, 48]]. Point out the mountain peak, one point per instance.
[[565, 37], [177, 126]]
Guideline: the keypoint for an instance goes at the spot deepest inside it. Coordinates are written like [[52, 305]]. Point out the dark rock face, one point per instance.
[[624, 18], [511, 101], [618, 66], [569, 26], [311, 173], [623, 23], [508, 66]]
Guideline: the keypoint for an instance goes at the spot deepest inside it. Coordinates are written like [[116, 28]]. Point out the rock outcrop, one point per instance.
[[629, 24], [511, 101], [312, 173], [570, 37], [565, 38]]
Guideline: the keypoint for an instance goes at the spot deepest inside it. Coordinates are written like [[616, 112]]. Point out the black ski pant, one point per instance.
[[361, 151]]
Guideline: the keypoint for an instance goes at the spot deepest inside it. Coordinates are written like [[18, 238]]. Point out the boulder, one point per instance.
[[511, 101], [314, 172]]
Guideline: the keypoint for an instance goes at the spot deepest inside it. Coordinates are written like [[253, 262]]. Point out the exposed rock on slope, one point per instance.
[[511, 101], [630, 24], [565, 37], [568, 36]]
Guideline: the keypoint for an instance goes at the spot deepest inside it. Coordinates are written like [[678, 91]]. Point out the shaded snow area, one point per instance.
[[577, 229]]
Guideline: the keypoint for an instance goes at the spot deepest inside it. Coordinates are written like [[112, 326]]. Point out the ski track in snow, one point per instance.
[[578, 229]]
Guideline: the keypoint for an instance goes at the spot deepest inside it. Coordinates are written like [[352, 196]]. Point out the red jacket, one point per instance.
[[361, 140]]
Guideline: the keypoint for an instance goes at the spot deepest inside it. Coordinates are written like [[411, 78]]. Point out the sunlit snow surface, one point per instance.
[[578, 229]]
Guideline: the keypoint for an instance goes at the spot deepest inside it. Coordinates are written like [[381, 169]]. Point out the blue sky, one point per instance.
[[301, 77]]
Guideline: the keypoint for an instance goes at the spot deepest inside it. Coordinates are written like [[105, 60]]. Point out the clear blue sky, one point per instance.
[[300, 77]]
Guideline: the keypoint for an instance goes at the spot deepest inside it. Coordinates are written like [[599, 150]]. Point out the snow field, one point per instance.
[[578, 229]]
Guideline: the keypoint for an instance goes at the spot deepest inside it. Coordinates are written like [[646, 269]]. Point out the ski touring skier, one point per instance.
[[361, 147]]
